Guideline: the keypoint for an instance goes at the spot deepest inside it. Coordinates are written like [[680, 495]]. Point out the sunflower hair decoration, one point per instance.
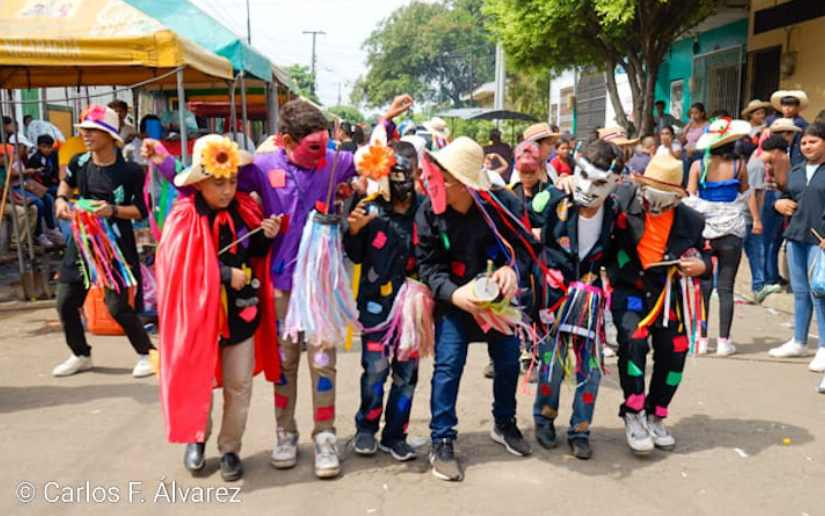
[[221, 158], [376, 162]]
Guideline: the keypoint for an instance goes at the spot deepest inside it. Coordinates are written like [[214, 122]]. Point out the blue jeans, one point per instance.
[[454, 331], [45, 209], [755, 251], [772, 223], [800, 257], [376, 368], [551, 374]]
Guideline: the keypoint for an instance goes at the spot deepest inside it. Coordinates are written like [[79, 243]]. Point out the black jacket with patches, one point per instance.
[[384, 248]]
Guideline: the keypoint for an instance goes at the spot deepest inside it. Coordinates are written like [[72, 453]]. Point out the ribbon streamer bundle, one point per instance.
[[159, 195], [101, 261], [410, 329]]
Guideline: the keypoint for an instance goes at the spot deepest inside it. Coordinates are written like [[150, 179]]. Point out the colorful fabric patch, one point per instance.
[[582, 427], [415, 238], [673, 378], [546, 390], [372, 276], [561, 209], [380, 240], [386, 289], [279, 267], [324, 413], [324, 384], [635, 402], [248, 314], [281, 401], [587, 398], [320, 206], [410, 263], [594, 364], [640, 334], [680, 343], [277, 178], [540, 201], [621, 221], [404, 404], [634, 304], [378, 390], [547, 357], [375, 347], [374, 414], [282, 379], [622, 258], [374, 308], [661, 411], [633, 369], [549, 412], [458, 269]]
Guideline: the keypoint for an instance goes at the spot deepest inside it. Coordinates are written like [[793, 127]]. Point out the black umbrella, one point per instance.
[[487, 114]]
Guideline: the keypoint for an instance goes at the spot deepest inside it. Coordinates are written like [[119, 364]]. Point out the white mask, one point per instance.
[[593, 184], [658, 201]]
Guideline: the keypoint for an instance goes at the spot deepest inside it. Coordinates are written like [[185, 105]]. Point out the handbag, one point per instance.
[[816, 271], [99, 320]]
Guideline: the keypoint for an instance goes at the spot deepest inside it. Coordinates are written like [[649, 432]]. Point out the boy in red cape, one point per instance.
[[216, 315]]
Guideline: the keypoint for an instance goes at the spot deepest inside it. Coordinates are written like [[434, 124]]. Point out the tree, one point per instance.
[[436, 52], [347, 113], [633, 34], [301, 75]]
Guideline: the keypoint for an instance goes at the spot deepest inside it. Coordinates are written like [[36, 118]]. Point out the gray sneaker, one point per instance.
[[285, 453], [326, 455], [638, 436], [365, 443], [509, 436], [662, 438], [444, 462]]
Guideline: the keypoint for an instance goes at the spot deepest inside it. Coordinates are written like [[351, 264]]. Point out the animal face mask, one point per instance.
[[593, 184], [434, 185]]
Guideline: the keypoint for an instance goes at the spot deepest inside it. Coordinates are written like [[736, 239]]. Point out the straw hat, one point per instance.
[[464, 160], [101, 118], [722, 131], [799, 95], [616, 135], [783, 125], [437, 126], [754, 105], [213, 156], [665, 173], [538, 132]]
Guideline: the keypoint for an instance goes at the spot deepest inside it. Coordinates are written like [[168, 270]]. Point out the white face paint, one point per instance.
[[658, 201], [593, 184]]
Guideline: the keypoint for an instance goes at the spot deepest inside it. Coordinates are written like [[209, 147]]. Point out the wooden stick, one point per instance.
[[238, 241], [817, 235]]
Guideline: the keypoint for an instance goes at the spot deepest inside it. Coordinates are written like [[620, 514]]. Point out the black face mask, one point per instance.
[[401, 179]]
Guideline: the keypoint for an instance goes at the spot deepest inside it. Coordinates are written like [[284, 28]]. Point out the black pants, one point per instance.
[[670, 348], [728, 253], [70, 298]]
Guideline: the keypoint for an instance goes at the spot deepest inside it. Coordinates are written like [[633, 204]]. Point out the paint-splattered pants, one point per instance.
[[376, 368], [588, 376], [670, 347], [322, 374]]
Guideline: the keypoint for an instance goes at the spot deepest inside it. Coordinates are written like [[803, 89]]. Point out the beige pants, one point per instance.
[[238, 362], [7, 236], [321, 364]]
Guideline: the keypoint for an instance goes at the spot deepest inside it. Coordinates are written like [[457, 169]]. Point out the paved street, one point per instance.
[[750, 432]]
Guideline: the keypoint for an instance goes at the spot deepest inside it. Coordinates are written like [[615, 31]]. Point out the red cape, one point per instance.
[[191, 317]]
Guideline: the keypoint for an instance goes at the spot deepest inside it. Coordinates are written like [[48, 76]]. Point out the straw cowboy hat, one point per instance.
[[754, 105], [784, 125], [799, 95], [101, 118], [464, 160], [437, 126], [213, 156], [616, 135], [722, 131], [664, 172], [538, 132]]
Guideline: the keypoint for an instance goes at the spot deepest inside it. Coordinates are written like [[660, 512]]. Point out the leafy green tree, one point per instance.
[[301, 75], [348, 113], [633, 34]]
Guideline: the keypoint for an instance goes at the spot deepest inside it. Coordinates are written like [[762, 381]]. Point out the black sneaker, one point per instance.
[[193, 459], [509, 435], [546, 436], [580, 448], [365, 443], [400, 450], [231, 467], [444, 462]]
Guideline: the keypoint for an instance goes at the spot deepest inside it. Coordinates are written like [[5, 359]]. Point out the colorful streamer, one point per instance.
[[410, 328], [101, 261]]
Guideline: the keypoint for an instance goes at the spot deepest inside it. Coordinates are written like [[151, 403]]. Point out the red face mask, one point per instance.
[[434, 185], [310, 151]]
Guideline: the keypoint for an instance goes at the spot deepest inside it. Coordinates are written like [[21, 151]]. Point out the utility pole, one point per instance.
[[315, 34], [339, 93], [248, 25]]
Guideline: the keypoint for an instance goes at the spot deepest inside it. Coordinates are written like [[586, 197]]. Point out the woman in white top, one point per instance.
[[668, 143]]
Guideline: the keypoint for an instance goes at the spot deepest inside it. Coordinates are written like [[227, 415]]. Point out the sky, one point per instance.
[[277, 27]]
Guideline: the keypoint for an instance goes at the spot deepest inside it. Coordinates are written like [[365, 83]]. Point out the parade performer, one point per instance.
[[111, 188], [653, 255], [216, 317], [575, 232], [465, 229], [394, 309]]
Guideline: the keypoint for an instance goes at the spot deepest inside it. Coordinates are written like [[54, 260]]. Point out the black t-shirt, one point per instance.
[[120, 184], [50, 175], [349, 146]]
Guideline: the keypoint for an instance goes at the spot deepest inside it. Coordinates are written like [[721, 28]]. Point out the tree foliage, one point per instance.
[[301, 75], [633, 34], [347, 113], [437, 52]]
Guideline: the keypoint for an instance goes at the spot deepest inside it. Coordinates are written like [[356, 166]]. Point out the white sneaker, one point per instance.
[[789, 349], [817, 365], [702, 346], [73, 365], [638, 436], [43, 241], [326, 456], [821, 387], [724, 348], [285, 453], [662, 438], [143, 367]]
